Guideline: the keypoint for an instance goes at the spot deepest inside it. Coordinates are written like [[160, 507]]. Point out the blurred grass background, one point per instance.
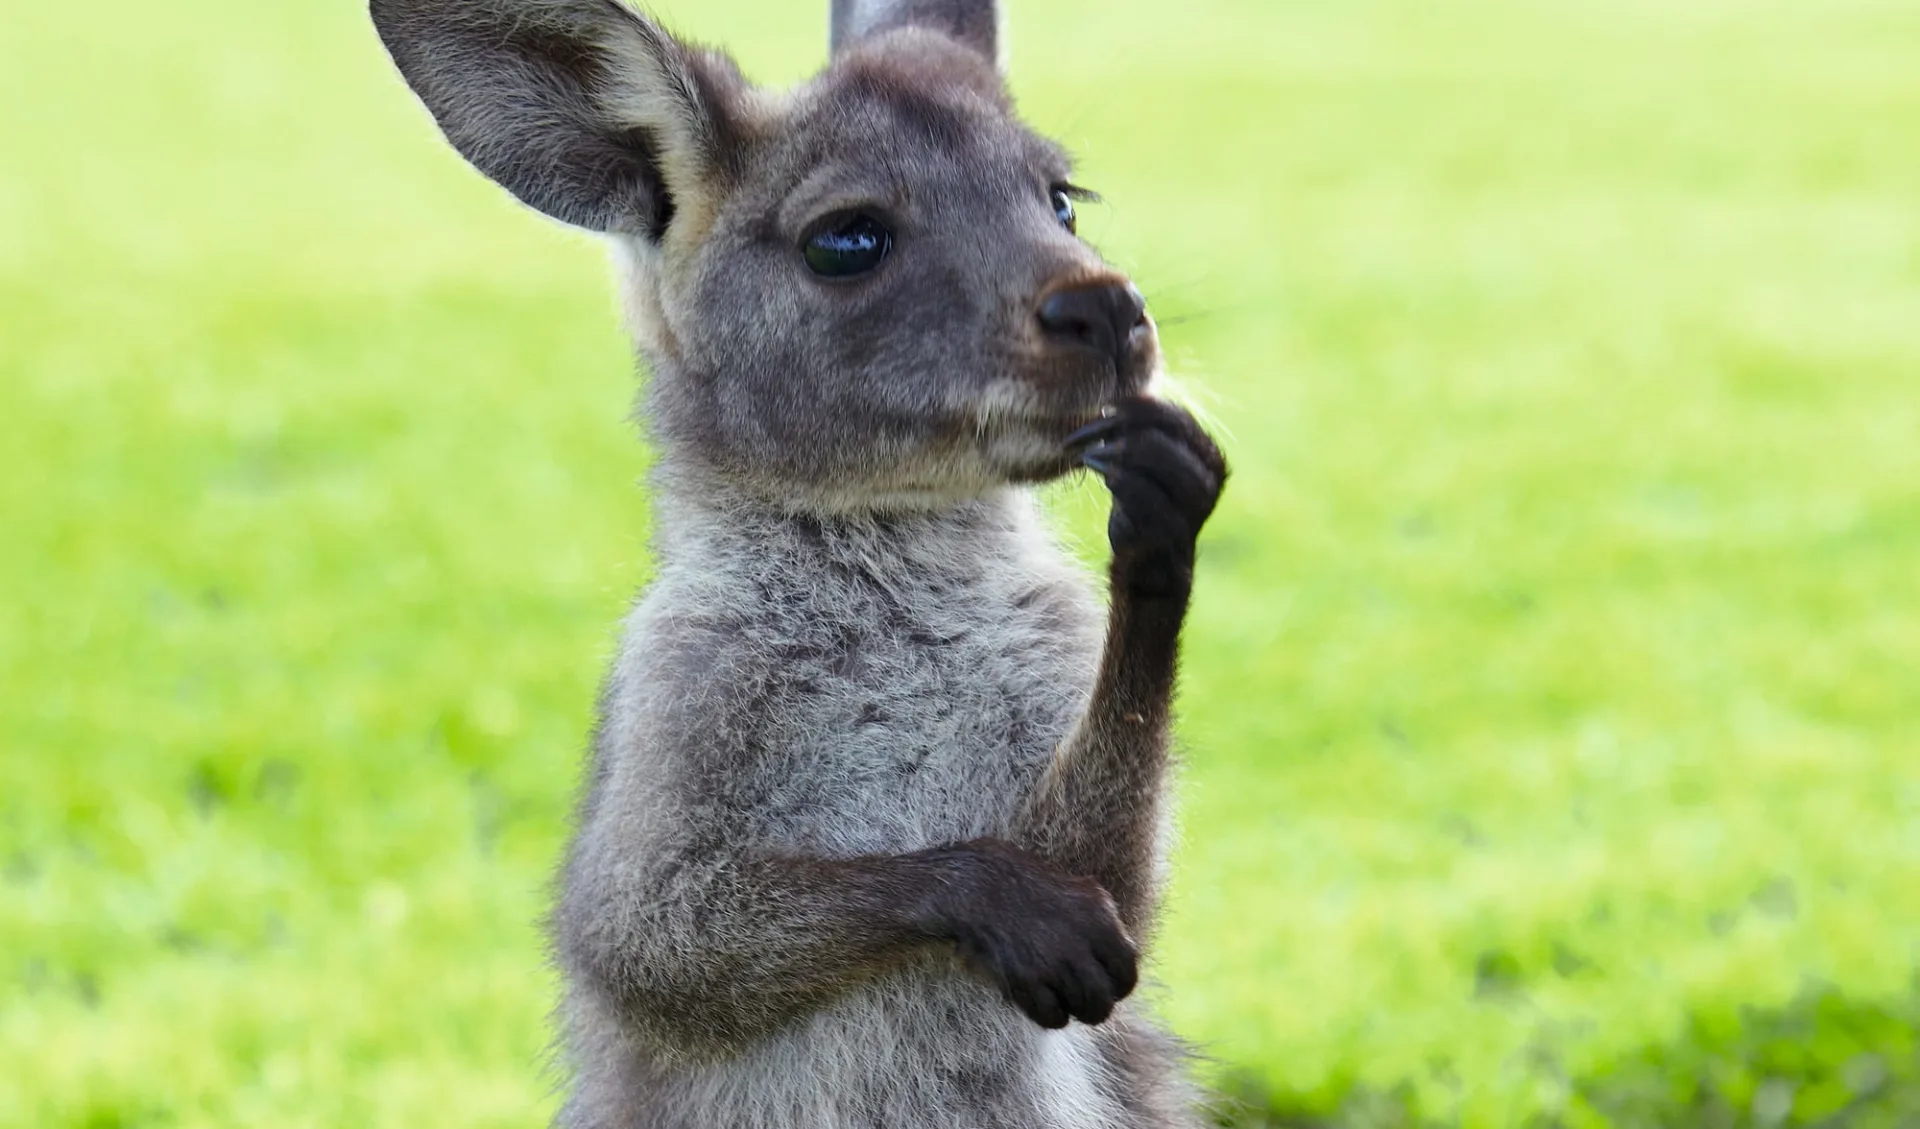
[[1553, 696]]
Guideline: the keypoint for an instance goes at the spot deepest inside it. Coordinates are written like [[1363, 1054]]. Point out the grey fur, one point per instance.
[[975, 23], [876, 803]]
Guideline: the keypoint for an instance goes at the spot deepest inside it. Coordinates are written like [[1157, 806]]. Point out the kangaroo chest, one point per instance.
[[899, 720]]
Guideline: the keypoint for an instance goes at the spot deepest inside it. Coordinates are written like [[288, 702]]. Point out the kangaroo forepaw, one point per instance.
[[1166, 475], [1052, 943]]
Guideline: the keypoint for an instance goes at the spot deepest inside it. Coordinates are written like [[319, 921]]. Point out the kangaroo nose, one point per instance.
[[1100, 316]]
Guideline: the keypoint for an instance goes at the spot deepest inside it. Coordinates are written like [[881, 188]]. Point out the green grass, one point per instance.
[[1553, 695]]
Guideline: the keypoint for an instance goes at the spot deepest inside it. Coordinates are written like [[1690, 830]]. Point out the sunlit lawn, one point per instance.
[[1553, 698]]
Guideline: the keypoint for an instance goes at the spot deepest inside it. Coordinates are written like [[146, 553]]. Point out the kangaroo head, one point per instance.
[[864, 293]]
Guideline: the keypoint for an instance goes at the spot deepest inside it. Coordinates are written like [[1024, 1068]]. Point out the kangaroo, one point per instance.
[[875, 815]]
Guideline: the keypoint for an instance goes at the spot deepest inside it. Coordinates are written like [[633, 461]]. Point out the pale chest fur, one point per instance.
[[875, 690], [923, 1048]]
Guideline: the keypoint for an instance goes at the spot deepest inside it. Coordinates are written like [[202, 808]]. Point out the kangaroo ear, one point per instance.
[[975, 23], [583, 109]]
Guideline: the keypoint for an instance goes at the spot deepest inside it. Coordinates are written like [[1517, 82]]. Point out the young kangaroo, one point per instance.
[[876, 807]]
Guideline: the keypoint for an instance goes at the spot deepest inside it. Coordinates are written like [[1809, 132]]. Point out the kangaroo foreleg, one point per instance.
[[1097, 809]]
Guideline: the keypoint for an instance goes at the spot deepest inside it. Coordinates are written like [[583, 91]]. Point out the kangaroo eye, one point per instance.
[[1063, 210], [847, 245]]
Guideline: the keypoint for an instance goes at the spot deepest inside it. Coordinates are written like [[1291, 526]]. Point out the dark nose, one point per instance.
[[1101, 316]]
